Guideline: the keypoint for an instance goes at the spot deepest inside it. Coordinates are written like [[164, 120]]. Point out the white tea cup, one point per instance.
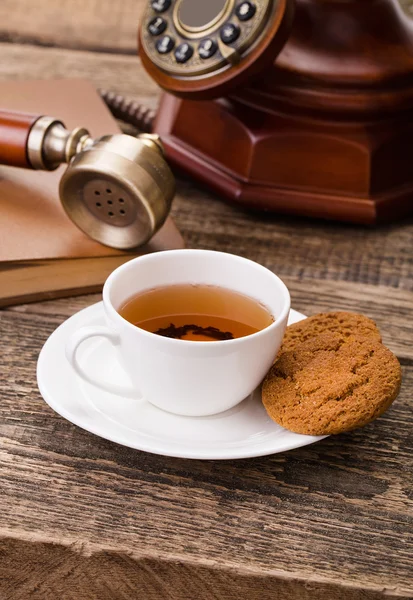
[[184, 377]]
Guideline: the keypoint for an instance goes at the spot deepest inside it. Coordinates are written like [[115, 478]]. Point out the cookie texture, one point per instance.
[[331, 382], [349, 325]]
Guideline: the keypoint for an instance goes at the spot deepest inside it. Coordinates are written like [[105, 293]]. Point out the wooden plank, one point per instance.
[[89, 24], [100, 25], [307, 249], [124, 74], [75, 571], [338, 512]]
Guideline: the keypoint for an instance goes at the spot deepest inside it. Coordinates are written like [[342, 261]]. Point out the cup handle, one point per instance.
[[72, 347]]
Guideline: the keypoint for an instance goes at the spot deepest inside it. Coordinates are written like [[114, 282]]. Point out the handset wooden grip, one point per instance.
[[14, 132]]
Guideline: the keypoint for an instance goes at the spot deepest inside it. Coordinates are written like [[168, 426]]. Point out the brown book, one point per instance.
[[42, 253]]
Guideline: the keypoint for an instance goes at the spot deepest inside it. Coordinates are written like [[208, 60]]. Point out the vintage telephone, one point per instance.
[[296, 106]]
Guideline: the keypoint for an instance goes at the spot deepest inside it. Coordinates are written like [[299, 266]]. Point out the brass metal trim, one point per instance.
[[50, 144], [195, 33], [61, 145], [152, 140], [138, 176], [35, 142]]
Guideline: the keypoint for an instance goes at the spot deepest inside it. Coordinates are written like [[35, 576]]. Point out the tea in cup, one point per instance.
[[195, 331]]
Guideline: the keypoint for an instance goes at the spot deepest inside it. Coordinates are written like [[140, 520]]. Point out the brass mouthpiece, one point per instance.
[[117, 189]]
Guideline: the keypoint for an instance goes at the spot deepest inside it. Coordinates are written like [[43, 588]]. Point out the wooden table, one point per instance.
[[83, 518]]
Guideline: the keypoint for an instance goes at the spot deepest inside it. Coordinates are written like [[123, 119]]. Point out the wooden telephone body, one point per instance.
[[316, 119]]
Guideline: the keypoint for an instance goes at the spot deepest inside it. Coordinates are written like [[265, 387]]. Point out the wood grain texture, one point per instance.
[[109, 71], [82, 517], [101, 25], [338, 512], [73, 573]]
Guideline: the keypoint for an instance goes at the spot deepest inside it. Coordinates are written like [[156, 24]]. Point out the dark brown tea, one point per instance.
[[199, 313]]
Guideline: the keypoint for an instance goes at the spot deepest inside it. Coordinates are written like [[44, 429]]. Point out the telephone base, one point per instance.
[[356, 172]]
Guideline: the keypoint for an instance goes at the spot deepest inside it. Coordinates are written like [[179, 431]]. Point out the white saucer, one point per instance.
[[242, 432]]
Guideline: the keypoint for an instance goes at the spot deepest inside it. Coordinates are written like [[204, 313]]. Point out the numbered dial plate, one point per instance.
[[190, 38]]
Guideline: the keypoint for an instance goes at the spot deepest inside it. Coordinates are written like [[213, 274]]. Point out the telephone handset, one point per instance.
[[205, 49], [117, 189]]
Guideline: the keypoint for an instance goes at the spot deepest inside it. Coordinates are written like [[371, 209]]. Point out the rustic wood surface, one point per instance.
[[83, 518]]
